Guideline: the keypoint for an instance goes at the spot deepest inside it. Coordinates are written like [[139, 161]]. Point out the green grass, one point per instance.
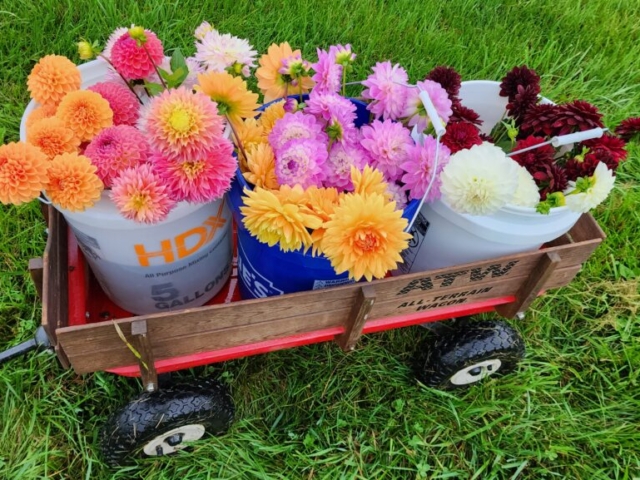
[[572, 410]]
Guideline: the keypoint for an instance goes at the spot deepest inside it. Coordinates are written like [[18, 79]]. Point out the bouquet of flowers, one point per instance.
[[332, 174], [541, 155], [153, 133]]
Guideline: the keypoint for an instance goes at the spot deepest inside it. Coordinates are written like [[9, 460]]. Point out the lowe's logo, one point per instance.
[[259, 286]]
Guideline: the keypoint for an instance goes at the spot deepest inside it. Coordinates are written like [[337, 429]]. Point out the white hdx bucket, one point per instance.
[[178, 263], [443, 237]]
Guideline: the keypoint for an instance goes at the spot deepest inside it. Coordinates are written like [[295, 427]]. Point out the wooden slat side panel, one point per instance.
[[85, 362], [586, 229], [88, 353]]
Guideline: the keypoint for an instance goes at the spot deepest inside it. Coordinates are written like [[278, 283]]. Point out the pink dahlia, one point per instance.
[[115, 149], [328, 73], [461, 135], [342, 54], [386, 91], [398, 194], [419, 169], [327, 106], [131, 59], [202, 180], [415, 110], [388, 146], [113, 38], [296, 125], [181, 124], [301, 162], [338, 166], [122, 101], [140, 195]]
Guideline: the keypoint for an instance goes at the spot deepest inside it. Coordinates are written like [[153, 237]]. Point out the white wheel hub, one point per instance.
[[174, 440], [475, 373]]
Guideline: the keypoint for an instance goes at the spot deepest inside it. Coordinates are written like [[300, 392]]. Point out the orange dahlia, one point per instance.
[[73, 182], [271, 82], [249, 134], [37, 114], [369, 181], [23, 173], [261, 166], [232, 95], [86, 113], [323, 202], [52, 137], [365, 236], [271, 115], [52, 78]]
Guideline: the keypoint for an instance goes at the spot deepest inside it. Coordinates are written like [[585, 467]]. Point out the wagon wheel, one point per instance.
[[165, 421], [470, 353]]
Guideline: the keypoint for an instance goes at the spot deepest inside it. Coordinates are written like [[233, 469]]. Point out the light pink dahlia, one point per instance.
[[386, 91], [140, 195], [296, 125], [220, 52], [115, 149], [131, 59], [326, 106], [388, 145], [338, 166], [398, 194], [181, 124], [342, 54], [122, 101], [199, 181], [419, 169], [328, 74], [415, 110], [301, 162]]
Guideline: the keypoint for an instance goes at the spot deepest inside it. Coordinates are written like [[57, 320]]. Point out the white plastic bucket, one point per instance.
[[443, 237], [180, 262]]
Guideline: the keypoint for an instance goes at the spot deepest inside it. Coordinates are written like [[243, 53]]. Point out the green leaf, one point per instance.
[[153, 88], [179, 76], [3, 132], [178, 61]]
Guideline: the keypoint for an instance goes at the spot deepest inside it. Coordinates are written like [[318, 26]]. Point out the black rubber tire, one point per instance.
[[469, 345], [126, 432]]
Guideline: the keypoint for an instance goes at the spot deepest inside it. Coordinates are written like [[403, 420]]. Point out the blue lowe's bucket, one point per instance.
[[266, 271]]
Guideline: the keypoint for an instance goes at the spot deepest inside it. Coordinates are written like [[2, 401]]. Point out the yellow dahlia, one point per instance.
[[37, 114], [261, 166], [73, 182], [271, 82], [249, 134], [52, 137], [270, 116], [365, 236], [23, 173], [323, 202], [231, 93], [272, 221], [86, 113], [369, 181], [52, 78]]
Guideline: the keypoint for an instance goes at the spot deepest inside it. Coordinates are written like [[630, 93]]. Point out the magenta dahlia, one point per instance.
[[123, 102], [301, 161], [132, 60], [386, 90], [115, 149], [388, 146]]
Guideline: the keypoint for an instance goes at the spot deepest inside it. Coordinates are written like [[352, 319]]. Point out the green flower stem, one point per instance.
[[155, 67], [123, 79]]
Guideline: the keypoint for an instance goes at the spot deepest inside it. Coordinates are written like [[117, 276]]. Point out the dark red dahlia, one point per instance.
[[539, 120], [576, 116], [522, 102], [464, 114], [532, 158], [461, 135], [550, 178], [577, 167], [486, 138], [628, 128], [611, 143], [519, 76], [448, 78]]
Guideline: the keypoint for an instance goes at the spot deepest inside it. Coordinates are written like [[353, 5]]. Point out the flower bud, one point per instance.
[[85, 50], [137, 33]]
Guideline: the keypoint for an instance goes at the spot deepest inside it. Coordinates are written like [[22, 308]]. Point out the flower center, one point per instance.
[[367, 241], [192, 169], [180, 121], [139, 201]]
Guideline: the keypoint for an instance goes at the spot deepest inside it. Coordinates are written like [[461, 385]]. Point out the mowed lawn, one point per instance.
[[571, 411]]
